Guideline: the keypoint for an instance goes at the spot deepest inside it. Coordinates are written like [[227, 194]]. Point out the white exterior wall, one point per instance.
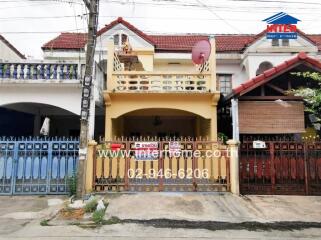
[[61, 55], [63, 95], [235, 69], [6, 53]]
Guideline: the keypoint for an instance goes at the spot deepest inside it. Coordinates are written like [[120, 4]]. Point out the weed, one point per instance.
[[91, 206], [98, 216], [72, 184], [44, 222]]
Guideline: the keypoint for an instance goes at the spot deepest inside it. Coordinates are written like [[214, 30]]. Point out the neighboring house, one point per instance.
[[8, 52], [34, 89]]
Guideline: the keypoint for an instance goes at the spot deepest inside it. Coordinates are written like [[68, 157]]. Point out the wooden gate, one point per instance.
[[281, 168], [118, 167]]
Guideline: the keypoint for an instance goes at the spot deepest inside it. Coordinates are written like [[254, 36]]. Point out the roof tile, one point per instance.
[[268, 74], [182, 43]]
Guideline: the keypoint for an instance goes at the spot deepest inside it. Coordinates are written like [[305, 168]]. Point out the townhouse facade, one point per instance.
[[147, 88], [234, 60]]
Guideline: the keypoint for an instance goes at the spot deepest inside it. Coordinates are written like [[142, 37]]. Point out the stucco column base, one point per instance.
[[90, 165], [234, 166]]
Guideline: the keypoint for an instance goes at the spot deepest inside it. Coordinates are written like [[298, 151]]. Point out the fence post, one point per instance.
[[234, 166], [273, 173], [91, 156], [306, 172]]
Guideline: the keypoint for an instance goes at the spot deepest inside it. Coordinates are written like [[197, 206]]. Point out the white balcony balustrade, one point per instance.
[[159, 82], [40, 71]]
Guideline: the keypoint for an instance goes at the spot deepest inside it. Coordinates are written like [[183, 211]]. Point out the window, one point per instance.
[[275, 43], [120, 39], [116, 39], [285, 42], [225, 81], [123, 39]]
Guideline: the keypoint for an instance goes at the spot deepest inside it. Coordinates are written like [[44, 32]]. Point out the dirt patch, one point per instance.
[[70, 214]]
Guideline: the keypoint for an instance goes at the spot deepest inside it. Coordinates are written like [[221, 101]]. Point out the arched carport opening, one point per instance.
[[160, 122], [25, 119]]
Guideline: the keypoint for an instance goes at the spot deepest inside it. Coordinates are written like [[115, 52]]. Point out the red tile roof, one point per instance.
[[317, 39], [128, 25], [273, 72], [185, 43], [232, 43], [67, 40], [5, 41], [169, 43], [176, 42]]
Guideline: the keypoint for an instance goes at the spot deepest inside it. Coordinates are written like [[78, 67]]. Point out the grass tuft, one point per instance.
[[91, 206]]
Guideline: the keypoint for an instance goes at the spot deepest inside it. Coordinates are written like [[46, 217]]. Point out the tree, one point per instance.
[[311, 95]]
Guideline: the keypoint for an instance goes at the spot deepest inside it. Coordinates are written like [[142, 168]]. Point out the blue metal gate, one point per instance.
[[37, 166]]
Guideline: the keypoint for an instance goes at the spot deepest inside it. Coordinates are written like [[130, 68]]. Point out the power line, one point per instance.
[[40, 17], [47, 32]]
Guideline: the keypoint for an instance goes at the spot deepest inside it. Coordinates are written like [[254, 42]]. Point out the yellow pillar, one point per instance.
[[213, 123], [234, 166], [108, 119], [89, 166], [215, 99], [110, 63], [108, 125], [212, 65]]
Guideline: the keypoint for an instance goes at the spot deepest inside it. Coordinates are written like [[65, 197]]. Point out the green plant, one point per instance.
[[311, 93], [222, 137], [98, 216], [44, 222], [91, 206], [72, 184]]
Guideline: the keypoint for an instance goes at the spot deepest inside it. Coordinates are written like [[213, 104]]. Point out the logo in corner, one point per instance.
[[281, 26]]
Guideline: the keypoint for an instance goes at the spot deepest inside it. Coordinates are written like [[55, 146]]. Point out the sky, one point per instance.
[[28, 24]]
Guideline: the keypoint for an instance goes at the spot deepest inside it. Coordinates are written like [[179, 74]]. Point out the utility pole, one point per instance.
[[93, 8]]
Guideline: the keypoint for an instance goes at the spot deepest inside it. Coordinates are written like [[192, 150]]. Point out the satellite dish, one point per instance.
[[201, 52]]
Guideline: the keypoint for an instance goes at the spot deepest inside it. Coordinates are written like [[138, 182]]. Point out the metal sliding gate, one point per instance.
[[37, 166], [281, 168], [205, 167]]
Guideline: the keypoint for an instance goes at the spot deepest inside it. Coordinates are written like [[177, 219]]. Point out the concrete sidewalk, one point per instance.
[[18, 211], [221, 207]]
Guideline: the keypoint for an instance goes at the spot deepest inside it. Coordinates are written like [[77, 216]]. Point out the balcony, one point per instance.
[[130, 81], [120, 80], [40, 72]]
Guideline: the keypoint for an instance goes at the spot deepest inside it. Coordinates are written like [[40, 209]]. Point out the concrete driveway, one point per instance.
[[221, 207]]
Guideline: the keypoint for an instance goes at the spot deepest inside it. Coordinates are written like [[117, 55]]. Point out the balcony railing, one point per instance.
[[159, 82], [40, 71]]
